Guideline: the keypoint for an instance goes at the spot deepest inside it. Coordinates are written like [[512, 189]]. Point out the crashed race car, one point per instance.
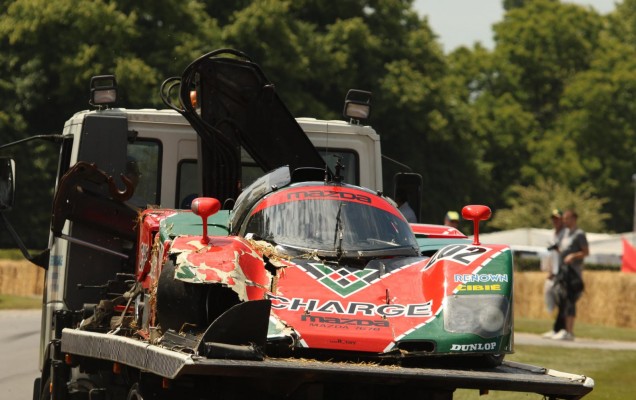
[[321, 270]]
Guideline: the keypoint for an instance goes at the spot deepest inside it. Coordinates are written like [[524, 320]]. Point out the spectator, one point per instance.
[[405, 208], [550, 264], [574, 249], [451, 219]]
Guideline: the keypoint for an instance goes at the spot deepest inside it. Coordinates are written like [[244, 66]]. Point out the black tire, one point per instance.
[[178, 302], [195, 304], [492, 360]]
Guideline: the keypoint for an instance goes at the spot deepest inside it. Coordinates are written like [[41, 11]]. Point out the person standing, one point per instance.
[[451, 219], [574, 249], [550, 264]]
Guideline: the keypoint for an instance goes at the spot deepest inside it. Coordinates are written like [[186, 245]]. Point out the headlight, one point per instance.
[[483, 315]]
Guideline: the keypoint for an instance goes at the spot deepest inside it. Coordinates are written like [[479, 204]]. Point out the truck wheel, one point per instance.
[[135, 393]]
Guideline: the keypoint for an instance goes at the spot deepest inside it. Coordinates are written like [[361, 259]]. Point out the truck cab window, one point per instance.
[[187, 183], [143, 167], [349, 160]]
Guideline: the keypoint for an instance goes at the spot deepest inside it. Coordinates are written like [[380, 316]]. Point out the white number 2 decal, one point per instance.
[[459, 253]]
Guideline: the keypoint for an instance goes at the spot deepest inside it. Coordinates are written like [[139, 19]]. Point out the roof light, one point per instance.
[[103, 90], [357, 104]]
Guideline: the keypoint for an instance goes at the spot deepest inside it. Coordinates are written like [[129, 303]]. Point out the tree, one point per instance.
[[520, 97], [530, 206], [599, 122], [46, 70], [545, 43]]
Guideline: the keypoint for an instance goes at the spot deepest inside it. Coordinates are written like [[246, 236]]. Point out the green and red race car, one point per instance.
[[325, 270]]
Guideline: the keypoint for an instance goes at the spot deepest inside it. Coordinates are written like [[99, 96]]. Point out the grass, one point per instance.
[[11, 254], [612, 371], [10, 302], [582, 330]]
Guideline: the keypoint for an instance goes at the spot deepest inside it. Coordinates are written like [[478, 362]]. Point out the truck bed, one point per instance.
[[172, 364]]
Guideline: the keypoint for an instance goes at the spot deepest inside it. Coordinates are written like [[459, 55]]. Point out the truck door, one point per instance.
[[99, 221]]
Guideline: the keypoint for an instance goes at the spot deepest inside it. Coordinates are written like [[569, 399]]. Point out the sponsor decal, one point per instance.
[[351, 308], [56, 261], [329, 194], [461, 253], [480, 278], [344, 341], [479, 288], [474, 347], [341, 281], [334, 322]]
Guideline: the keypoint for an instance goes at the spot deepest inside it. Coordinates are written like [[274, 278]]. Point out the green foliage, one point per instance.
[[546, 43], [530, 206]]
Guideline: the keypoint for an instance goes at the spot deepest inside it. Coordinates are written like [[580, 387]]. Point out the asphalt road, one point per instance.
[[20, 336], [19, 342]]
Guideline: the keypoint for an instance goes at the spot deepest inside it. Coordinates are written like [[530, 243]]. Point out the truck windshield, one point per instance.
[[331, 226]]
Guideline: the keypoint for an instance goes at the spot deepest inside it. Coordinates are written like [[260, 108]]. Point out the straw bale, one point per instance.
[[21, 278], [609, 298]]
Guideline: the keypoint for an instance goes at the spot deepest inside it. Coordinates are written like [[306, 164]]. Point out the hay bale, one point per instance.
[[21, 278], [609, 298]]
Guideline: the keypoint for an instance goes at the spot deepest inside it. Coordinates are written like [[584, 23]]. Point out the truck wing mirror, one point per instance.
[[7, 183], [7, 195]]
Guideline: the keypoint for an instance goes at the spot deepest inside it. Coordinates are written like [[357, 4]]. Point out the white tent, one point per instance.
[[605, 248]]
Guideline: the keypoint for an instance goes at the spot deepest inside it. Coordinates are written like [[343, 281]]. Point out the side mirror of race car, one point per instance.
[[204, 207], [476, 213]]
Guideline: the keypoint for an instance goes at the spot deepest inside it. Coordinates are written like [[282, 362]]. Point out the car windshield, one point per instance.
[[331, 221]]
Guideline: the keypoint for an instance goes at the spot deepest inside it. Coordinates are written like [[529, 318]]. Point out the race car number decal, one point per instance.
[[461, 253]]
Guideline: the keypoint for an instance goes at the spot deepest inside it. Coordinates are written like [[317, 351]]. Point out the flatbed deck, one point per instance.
[[510, 376]]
